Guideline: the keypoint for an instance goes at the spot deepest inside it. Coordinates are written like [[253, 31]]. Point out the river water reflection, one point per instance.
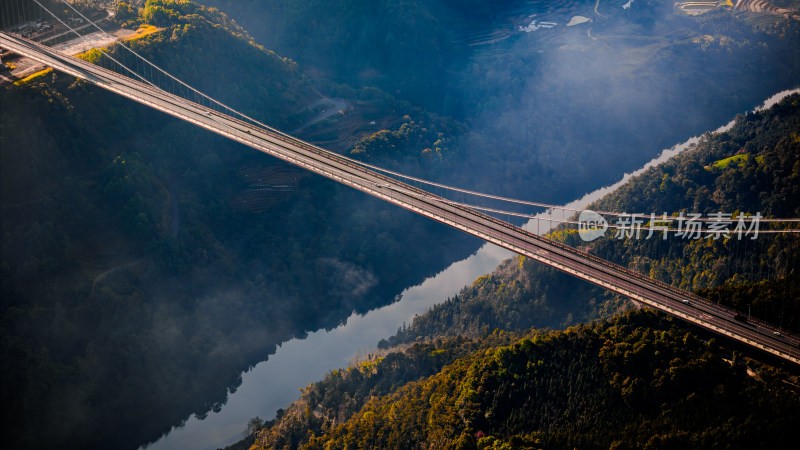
[[274, 383]]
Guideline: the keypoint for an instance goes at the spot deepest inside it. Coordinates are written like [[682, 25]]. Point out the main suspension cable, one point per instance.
[[349, 159], [538, 204], [624, 226]]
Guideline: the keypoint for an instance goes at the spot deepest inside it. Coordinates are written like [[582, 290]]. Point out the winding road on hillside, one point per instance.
[[332, 107]]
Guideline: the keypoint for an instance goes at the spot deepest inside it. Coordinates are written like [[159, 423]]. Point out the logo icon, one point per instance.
[[591, 225]]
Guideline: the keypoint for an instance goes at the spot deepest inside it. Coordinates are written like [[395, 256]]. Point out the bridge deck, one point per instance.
[[616, 278]]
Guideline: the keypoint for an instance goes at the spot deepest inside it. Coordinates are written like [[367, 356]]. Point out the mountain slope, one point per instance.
[[523, 293], [637, 380], [590, 100], [146, 263]]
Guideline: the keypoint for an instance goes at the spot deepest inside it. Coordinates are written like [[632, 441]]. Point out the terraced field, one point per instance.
[[751, 6], [758, 6], [558, 12], [340, 132]]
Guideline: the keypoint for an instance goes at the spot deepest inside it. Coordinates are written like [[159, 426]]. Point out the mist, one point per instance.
[[573, 107], [139, 279]]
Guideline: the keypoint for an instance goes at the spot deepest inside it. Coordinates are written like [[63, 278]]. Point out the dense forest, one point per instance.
[[756, 275], [752, 168], [637, 380], [146, 264]]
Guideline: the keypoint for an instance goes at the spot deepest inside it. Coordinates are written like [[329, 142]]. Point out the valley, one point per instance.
[[146, 264]]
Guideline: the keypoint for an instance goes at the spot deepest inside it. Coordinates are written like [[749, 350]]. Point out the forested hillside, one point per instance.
[[401, 46], [752, 168], [588, 100], [146, 263], [638, 380], [759, 275]]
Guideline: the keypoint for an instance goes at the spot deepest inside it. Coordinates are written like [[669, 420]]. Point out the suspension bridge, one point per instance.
[[225, 121]]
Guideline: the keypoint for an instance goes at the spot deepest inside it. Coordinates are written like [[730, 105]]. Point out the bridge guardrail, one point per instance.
[[178, 106]]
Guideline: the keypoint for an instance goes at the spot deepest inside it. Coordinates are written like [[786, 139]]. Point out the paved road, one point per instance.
[[600, 272]]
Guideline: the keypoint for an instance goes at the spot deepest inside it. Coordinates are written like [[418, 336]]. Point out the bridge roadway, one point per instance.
[[613, 277]]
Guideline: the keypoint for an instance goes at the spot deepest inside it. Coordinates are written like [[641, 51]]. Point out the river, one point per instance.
[[274, 383]]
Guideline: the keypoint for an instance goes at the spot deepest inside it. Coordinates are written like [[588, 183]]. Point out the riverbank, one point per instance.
[[273, 383]]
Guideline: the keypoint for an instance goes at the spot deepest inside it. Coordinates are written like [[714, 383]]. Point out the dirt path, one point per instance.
[[337, 105], [112, 270]]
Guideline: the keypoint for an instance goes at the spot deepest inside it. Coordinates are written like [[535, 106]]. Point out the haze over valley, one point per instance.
[[147, 264]]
